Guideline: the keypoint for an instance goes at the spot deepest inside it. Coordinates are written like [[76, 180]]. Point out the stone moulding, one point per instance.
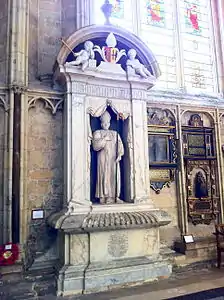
[[108, 221], [4, 103]]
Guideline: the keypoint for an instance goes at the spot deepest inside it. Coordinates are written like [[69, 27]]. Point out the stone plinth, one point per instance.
[[106, 250], [203, 249]]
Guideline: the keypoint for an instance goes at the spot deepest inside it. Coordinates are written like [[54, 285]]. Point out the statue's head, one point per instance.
[[88, 45], [105, 120], [132, 53], [200, 177]]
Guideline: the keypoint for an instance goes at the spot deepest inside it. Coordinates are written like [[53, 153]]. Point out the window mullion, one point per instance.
[[137, 16], [179, 45], [217, 42]]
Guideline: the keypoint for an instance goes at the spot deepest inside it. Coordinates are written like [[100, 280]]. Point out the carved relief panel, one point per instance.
[[202, 193], [162, 148], [200, 165]]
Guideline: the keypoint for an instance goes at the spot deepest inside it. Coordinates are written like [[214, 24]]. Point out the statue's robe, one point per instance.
[[109, 147]]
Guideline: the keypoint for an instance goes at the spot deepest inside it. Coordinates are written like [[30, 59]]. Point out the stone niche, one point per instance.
[[108, 231]]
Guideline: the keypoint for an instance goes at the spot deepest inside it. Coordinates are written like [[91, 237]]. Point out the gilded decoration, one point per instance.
[[162, 148], [161, 178], [202, 192], [201, 165], [196, 121]]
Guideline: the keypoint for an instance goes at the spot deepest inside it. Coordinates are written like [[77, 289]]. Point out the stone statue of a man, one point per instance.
[[110, 150]]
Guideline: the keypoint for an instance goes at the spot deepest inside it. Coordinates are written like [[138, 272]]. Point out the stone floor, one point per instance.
[[180, 283]]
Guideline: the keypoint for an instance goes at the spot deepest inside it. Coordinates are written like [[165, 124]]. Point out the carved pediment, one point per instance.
[[107, 56], [110, 41]]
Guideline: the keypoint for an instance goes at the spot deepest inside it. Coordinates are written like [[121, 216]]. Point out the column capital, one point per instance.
[[18, 88]]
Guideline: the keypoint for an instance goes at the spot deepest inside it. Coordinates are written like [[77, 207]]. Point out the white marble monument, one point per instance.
[[116, 241]]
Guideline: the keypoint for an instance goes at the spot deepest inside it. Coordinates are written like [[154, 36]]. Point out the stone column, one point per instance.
[[76, 196], [18, 80], [19, 36], [140, 143], [79, 145], [219, 160]]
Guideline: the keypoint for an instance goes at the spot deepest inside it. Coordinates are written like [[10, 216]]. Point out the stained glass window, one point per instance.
[[192, 16], [154, 12], [122, 13], [178, 32], [118, 9], [197, 42], [157, 30]]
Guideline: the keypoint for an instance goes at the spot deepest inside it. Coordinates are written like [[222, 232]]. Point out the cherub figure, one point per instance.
[[84, 56], [135, 67]]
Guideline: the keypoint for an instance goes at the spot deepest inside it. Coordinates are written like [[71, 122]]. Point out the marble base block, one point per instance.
[[105, 276], [100, 251]]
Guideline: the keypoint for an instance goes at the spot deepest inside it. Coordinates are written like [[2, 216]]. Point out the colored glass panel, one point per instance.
[[159, 35], [162, 24], [122, 13], [154, 12], [118, 9], [197, 42], [192, 16]]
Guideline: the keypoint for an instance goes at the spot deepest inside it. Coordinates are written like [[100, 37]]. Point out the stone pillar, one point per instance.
[[79, 149], [19, 36], [141, 160], [18, 80], [16, 167], [75, 148]]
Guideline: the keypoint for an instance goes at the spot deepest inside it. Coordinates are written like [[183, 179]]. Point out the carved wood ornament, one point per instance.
[[162, 148], [201, 177]]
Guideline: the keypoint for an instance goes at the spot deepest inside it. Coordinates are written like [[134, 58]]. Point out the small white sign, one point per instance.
[[8, 247], [37, 214], [188, 239]]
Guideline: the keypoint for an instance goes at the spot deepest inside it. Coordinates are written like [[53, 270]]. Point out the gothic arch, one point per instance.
[[52, 104], [208, 114], [122, 35], [3, 103]]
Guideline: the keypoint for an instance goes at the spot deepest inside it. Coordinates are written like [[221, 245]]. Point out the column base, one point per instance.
[[104, 276], [203, 249]]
